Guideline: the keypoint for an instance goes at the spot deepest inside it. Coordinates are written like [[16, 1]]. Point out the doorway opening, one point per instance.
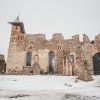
[[96, 63]]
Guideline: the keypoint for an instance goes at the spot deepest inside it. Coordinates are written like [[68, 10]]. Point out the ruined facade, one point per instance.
[[34, 54]]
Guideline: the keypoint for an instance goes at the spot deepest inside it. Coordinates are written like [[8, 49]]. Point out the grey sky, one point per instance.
[[69, 17]]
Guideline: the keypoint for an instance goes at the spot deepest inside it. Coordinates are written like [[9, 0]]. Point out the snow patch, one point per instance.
[[46, 87]]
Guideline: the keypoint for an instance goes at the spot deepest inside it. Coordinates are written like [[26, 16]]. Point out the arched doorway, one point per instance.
[[96, 63], [51, 62]]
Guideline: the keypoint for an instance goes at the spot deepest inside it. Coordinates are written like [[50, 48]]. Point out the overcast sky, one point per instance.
[[68, 17]]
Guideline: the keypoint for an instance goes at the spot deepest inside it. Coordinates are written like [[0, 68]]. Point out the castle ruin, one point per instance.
[[34, 54]]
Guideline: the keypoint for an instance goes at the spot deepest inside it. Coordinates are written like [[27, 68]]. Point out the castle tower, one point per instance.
[[17, 26], [15, 59]]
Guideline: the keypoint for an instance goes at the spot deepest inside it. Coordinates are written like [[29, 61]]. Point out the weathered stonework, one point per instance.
[[34, 54], [2, 64]]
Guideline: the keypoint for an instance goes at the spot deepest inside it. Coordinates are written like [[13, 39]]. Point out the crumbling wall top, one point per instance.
[[86, 39], [57, 36], [36, 36]]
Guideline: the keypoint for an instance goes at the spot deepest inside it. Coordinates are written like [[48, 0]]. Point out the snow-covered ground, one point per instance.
[[38, 87]]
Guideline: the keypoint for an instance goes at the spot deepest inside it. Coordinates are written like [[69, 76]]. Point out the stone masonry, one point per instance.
[[2, 64], [34, 54]]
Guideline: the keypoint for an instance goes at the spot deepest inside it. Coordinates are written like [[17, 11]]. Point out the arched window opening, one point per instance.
[[29, 59], [51, 62], [59, 47]]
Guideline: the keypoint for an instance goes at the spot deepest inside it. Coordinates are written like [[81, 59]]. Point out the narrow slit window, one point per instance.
[[29, 59]]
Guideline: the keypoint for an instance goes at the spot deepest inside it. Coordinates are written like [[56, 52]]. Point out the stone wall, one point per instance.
[[2, 64], [69, 54], [20, 44]]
